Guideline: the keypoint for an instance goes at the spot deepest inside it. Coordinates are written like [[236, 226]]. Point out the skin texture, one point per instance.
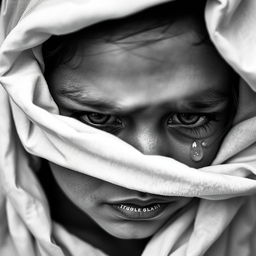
[[150, 86]]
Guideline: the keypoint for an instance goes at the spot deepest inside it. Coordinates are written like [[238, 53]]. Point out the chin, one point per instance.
[[132, 230]]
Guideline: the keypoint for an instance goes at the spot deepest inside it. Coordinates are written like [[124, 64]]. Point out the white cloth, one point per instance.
[[31, 127]]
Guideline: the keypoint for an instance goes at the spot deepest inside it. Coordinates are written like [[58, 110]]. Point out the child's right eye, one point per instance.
[[109, 123], [97, 118]]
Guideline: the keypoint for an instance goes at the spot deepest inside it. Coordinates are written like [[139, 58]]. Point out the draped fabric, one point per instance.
[[223, 223]]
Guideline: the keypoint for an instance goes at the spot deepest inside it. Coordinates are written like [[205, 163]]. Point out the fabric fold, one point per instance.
[[33, 129]]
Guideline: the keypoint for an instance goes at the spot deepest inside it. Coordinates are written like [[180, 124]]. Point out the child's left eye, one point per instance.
[[187, 119]]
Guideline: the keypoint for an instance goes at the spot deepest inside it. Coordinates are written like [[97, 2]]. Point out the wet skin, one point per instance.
[[160, 98]]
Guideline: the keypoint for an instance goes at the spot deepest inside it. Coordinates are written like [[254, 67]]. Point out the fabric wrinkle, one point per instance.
[[33, 129]]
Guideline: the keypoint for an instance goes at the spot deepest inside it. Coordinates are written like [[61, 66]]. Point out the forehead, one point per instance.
[[148, 68]]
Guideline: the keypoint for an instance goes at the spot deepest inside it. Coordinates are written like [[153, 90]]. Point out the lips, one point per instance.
[[136, 209], [144, 202]]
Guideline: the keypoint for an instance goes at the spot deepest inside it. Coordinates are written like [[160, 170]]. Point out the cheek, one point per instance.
[[78, 187]]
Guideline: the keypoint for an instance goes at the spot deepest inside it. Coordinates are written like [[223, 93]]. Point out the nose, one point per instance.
[[148, 140]]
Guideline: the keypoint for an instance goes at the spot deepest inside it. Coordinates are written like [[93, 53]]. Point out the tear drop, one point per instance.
[[196, 151]]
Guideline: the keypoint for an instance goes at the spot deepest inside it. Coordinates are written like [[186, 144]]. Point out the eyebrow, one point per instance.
[[82, 98], [207, 99]]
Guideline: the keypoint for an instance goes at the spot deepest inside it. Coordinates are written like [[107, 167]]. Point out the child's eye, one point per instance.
[[193, 125], [97, 118], [187, 119], [102, 121]]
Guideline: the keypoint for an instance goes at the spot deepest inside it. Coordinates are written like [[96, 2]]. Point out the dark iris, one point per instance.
[[188, 118], [97, 118]]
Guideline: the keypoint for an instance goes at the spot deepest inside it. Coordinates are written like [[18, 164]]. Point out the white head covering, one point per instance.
[[31, 128]]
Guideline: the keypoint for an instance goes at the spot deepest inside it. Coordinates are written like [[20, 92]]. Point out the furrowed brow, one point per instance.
[[209, 99], [84, 99]]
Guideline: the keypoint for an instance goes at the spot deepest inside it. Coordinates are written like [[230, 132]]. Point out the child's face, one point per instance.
[[159, 97]]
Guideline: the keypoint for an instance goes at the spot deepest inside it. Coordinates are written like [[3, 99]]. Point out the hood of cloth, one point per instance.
[[33, 129]]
